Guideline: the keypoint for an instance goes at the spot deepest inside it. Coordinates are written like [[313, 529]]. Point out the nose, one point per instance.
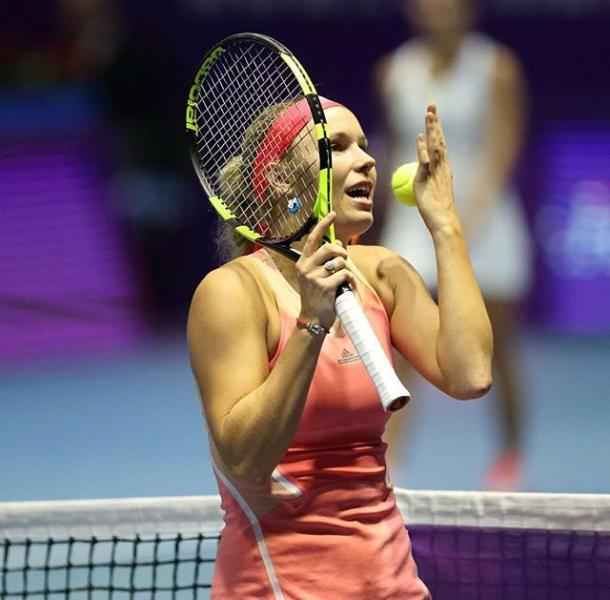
[[365, 162]]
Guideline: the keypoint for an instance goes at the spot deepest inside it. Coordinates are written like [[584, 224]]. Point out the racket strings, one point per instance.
[[217, 107], [223, 104], [246, 90]]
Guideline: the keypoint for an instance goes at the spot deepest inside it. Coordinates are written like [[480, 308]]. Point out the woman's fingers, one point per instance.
[[432, 138], [333, 265], [422, 154], [321, 268], [314, 239], [433, 181], [330, 259], [336, 279], [435, 139], [320, 261], [326, 252], [325, 263]]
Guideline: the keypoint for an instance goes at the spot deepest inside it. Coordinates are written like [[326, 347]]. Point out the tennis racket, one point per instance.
[[260, 147]]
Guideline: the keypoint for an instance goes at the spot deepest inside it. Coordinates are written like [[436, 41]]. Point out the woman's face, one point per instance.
[[354, 174], [440, 17]]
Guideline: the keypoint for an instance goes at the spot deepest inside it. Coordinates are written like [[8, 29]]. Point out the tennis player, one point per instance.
[[295, 423], [482, 81]]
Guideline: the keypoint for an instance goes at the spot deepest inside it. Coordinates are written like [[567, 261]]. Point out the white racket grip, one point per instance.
[[392, 392]]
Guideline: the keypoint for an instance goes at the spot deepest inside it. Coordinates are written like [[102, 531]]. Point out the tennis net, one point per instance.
[[468, 546]]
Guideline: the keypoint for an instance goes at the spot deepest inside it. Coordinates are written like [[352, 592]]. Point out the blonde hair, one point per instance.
[[230, 244], [236, 183]]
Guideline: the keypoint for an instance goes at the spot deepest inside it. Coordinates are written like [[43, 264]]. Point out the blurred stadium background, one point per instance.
[[104, 235]]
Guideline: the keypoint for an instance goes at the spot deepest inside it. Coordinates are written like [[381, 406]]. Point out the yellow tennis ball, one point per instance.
[[402, 183]]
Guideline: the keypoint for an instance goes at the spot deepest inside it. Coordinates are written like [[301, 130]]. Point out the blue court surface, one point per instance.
[[129, 424]]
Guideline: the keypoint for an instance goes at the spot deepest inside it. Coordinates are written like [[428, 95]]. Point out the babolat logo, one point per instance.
[[347, 357], [195, 91]]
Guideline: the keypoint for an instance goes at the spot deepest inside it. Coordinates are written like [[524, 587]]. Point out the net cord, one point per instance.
[[202, 514]]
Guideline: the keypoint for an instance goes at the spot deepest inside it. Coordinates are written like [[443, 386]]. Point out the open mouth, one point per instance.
[[360, 191]]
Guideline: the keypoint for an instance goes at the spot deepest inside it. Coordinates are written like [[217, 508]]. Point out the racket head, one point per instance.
[[259, 141]]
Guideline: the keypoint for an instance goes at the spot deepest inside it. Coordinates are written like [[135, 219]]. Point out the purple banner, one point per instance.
[[66, 284], [572, 228]]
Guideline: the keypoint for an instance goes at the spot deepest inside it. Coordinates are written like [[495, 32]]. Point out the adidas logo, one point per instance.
[[347, 357]]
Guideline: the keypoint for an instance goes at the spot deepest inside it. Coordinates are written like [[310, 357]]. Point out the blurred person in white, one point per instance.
[[479, 84]]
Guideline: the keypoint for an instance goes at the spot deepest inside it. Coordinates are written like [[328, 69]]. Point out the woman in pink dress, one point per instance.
[[295, 425]]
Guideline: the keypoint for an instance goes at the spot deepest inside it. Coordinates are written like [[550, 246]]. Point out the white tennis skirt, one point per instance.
[[501, 250]]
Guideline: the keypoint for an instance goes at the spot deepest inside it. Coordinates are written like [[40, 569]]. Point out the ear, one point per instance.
[[279, 177]]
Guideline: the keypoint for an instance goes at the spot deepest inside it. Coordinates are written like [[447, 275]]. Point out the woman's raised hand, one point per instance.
[[433, 183]]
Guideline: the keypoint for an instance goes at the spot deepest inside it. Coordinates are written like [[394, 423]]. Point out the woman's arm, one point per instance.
[[504, 130], [464, 345], [450, 343], [252, 414]]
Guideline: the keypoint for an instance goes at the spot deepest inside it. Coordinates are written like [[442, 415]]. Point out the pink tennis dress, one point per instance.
[[325, 526]]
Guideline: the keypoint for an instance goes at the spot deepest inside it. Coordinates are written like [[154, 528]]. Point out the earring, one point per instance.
[[294, 205]]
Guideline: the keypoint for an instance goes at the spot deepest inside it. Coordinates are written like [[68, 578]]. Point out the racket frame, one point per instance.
[[323, 202]]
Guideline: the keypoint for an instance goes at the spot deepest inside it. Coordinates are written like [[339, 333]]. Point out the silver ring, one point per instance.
[[330, 266]]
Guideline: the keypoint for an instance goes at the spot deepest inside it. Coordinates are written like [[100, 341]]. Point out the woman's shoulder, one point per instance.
[[230, 283], [482, 47], [373, 261], [385, 271], [369, 254], [380, 264]]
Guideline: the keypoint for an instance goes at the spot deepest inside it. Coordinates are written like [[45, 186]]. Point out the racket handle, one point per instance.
[[392, 392]]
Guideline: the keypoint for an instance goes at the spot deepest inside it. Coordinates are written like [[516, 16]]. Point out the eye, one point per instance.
[[336, 146]]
